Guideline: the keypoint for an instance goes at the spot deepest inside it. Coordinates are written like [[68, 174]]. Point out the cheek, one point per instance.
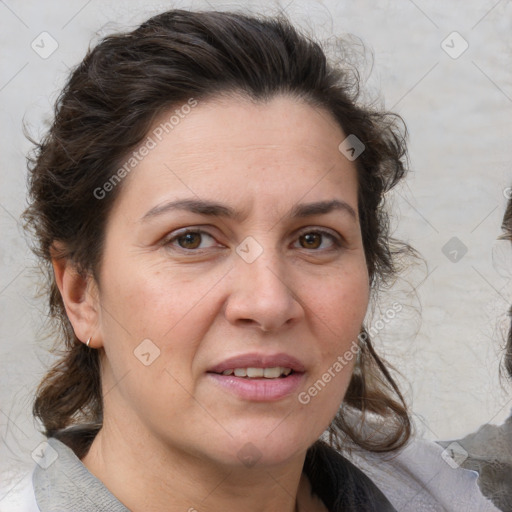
[[341, 302], [152, 328], [341, 308], [171, 309], [154, 299]]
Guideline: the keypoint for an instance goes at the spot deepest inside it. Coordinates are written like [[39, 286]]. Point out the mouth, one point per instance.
[[259, 377], [276, 372]]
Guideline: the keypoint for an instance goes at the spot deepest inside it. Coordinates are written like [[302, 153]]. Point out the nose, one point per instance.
[[262, 295]]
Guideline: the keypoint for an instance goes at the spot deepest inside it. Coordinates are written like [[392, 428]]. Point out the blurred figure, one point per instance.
[[489, 449]]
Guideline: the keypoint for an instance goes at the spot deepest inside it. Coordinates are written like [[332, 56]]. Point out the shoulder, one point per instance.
[[423, 476], [340, 484], [19, 497], [62, 482], [488, 451]]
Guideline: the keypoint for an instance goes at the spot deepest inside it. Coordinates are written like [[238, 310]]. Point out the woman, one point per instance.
[[208, 204]]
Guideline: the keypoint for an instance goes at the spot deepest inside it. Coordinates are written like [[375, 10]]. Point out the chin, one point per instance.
[[264, 446]]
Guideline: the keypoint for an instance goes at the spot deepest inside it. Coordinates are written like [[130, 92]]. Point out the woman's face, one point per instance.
[[268, 276]]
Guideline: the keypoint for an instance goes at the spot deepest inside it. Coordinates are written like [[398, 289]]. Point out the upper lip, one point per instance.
[[256, 360]]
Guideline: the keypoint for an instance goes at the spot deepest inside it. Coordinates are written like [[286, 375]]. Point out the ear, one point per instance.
[[80, 296]]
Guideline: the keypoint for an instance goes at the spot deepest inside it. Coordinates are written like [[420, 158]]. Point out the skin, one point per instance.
[[168, 430]]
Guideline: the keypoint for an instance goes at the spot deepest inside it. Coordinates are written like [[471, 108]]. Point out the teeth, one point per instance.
[[272, 373], [267, 373], [255, 372]]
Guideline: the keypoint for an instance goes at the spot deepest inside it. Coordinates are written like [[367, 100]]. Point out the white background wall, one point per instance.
[[447, 342]]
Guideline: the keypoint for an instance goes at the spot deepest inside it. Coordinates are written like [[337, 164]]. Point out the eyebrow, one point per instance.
[[214, 209]]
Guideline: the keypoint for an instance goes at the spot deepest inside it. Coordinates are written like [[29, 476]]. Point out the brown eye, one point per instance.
[[315, 240], [312, 240], [189, 240], [192, 240]]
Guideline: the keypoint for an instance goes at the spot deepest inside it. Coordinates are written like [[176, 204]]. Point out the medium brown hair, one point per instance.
[[107, 108]]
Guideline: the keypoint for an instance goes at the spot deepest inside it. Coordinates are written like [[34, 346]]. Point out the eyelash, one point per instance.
[[337, 243]]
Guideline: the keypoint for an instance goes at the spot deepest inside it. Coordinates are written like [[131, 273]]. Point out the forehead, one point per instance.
[[230, 126], [236, 147]]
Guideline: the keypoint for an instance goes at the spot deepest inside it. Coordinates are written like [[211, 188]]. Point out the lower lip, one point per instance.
[[259, 390]]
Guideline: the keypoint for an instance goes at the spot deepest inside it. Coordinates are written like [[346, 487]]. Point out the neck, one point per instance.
[[164, 478]]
